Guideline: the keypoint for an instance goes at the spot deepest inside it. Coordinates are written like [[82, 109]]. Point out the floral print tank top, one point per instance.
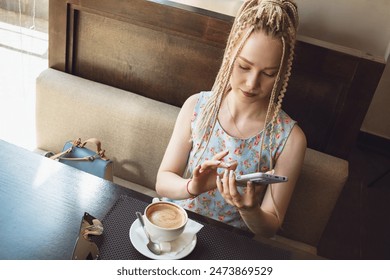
[[244, 151]]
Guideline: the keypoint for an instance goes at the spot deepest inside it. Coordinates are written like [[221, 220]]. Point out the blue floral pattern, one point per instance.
[[244, 151]]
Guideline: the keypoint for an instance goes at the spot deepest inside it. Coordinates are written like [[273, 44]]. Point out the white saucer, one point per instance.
[[139, 243]]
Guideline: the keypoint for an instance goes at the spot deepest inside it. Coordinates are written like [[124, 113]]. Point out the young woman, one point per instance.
[[240, 128]]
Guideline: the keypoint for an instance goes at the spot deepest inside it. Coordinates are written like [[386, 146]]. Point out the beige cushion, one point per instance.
[[134, 130], [315, 195], [136, 187], [296, 244]]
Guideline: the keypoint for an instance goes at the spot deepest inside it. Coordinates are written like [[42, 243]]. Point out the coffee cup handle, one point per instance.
[[155, 199]]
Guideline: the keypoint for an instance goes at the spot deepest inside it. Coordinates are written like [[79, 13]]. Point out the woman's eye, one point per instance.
[[269, 74], [243, 67]]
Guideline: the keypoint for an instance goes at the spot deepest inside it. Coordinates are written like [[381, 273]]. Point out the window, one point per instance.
[[23, 55]]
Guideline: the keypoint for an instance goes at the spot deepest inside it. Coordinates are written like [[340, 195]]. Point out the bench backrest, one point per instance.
[[321, 181], [134, 130]]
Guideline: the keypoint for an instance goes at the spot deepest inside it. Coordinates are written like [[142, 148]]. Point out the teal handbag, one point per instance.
[[75, 154]]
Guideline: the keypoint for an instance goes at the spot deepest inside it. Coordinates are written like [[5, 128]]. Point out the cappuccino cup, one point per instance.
[[164, 220]]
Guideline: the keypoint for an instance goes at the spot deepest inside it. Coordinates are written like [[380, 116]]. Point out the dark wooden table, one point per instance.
[[42, 203]]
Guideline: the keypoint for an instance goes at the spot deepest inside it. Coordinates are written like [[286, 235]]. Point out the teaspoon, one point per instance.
[[152, 246]]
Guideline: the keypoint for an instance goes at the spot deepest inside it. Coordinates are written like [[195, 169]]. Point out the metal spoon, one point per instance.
[[153, 247]]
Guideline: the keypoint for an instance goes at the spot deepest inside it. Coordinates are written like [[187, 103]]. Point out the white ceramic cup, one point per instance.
[[164, 220]]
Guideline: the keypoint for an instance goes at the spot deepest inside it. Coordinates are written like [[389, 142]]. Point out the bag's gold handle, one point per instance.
[[98, 144], [56, 156]]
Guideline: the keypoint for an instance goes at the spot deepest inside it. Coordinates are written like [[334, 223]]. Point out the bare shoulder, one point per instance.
[[187, 109], [296, 144], [191, 101], [298, 137]]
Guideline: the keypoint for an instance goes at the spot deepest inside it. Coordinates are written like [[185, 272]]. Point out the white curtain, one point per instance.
[[23, 55]]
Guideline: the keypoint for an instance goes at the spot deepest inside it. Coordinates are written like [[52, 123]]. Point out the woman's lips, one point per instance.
[[248, 94]]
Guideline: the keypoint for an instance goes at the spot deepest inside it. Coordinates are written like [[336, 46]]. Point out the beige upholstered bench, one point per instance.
[[135, 131]]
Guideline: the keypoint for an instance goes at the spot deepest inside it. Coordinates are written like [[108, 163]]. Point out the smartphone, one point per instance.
[[260, 178]]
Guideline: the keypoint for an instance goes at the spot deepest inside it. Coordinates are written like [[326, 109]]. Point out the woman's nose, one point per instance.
[[253, 81]]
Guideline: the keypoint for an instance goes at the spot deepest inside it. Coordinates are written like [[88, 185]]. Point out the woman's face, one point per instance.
[[256, 67]]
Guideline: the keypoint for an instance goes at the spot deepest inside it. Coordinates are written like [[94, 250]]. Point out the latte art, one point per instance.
[[166, 216]]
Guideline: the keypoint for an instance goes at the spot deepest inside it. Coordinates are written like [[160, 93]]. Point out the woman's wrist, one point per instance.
[[192, 195]]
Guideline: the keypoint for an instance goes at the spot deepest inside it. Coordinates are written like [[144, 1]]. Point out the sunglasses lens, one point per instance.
[[85, 249]]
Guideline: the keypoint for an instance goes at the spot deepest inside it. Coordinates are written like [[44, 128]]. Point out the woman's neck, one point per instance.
[[255, 111], [241, 119]]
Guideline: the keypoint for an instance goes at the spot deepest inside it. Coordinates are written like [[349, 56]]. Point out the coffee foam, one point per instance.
[[165, 215]]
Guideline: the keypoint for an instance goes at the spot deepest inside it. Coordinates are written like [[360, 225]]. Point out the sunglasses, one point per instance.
[[85, 248]]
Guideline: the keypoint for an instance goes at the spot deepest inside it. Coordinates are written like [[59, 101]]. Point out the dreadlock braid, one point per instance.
[[281, 96], [277, 18], [291, 19], [242, 20]]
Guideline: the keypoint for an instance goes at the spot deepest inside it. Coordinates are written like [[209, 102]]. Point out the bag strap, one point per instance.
[[77, 143], [59, 155]]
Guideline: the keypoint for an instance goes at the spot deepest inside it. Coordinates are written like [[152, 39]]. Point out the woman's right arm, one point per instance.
[[170, 182]]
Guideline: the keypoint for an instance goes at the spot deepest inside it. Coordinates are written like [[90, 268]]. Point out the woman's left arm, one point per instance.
[[266, 219]]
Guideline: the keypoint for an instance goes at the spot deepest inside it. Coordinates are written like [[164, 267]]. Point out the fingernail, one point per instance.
[[218, 179], [231, 173], [226, 173]]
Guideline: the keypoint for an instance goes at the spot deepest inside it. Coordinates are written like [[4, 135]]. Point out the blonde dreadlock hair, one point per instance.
[[277, 18]]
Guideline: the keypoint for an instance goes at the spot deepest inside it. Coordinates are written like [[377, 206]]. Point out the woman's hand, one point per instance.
[[248, 200], [204, 175]]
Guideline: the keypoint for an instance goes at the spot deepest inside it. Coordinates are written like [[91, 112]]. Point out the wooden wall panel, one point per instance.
[[168, 52], [155, 64]]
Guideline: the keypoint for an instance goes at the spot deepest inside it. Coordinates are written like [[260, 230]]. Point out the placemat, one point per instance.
[[213, 242]]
